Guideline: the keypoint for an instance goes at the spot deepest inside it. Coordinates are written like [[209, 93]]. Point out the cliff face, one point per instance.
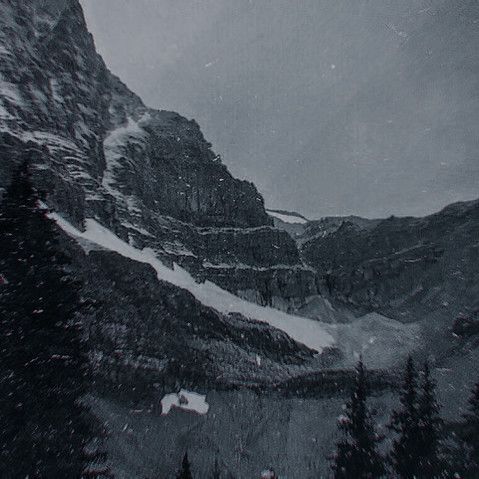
[[148, 175], [405, 268], [58, 93]]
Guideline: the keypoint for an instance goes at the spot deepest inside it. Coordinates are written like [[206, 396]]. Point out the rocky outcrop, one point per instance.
[[330, 224], [148, 175], [260, 247], [261, 265], [57, 92], [466, 325], [285, 288]]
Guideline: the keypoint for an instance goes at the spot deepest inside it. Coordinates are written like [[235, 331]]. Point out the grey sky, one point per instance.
[[329, 106]]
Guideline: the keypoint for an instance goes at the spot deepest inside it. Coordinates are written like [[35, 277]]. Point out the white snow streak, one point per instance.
[[114, 143], [309, 332], [52, 141], [287, 218], [10, 92]]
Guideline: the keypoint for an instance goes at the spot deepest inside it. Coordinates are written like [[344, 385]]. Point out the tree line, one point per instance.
[[422, 446]]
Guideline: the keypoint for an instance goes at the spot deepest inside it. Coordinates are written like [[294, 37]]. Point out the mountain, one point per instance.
[[150, 218], [116, 172], [409, 269], [401, 267], [148, 175], [202, 297]]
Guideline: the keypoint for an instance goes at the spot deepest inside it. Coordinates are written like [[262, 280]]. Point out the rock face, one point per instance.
[[58, 93], [148, 175], [261, 265], [405, 268], [151, 178]]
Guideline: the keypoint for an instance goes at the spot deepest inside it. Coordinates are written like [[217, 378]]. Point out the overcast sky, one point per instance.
[[329, 106]]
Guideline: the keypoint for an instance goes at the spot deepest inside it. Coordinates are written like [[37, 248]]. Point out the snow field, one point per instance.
[[312, 334]]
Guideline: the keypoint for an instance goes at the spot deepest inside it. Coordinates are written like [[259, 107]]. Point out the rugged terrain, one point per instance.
[[149, 175], [409, 269], [196, 285]]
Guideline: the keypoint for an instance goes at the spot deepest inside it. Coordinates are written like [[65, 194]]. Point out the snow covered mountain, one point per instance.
[[150, 183], [200, 290]]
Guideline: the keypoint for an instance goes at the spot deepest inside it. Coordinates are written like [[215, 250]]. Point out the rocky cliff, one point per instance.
[[58, 94], [155, 223], [148, 175], [404, 268]]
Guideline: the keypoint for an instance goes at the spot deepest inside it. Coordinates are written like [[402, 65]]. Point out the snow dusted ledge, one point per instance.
[[312, 334], [285, 218], [186, 400]]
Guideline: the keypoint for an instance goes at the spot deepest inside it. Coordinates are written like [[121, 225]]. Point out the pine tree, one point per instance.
[[44, 364], [429, 428], [404, 455], [216, 470], [470, 435], [357, 456], [185, 471]]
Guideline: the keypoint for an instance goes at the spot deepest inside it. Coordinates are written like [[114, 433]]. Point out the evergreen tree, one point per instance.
[[185, 471], [216, 470], [404, 456], [43, 370], [429, 428], [357, 456], [470, 435]]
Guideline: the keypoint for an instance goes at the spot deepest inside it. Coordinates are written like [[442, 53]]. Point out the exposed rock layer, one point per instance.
[[405, 268]]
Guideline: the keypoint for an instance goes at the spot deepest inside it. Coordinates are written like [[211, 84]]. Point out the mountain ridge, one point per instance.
[[149, 176], [191, 283]]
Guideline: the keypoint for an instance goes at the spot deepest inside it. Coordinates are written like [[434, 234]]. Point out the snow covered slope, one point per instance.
[[186, 400], [382, 342], [306, 331]]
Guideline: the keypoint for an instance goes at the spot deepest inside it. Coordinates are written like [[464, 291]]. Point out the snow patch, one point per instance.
[[288, 218], [10, 92], [39, 97], [52, 141], [186, 400], [311, 333], [4, 51], [56, 92], [137, 229], [131, 133]]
